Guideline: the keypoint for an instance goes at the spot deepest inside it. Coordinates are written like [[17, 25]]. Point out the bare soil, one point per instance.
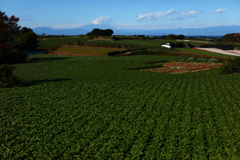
[[81, 54], [184, 67]]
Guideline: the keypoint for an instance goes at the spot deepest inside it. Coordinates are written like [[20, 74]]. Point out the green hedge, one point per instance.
[[231, 66]]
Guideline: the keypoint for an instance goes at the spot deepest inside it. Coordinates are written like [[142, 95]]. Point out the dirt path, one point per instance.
[[227, 52]]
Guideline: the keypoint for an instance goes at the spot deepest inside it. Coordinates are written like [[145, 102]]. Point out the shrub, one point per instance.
[[231, 66], [13, 58], [226, 69], [178, 45], [189, 45], [6, 76]]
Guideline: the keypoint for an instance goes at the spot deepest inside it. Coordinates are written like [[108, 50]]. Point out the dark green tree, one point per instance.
[[14, 40], [8, 26], [171, 36], [100, 32], [23, 40], [90, 35], [180, 36]]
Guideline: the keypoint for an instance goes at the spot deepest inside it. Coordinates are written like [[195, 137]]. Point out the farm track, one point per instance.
[[227, 52]]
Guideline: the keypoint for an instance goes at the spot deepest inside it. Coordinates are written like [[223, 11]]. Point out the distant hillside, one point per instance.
[[234, 37], [214, 31]]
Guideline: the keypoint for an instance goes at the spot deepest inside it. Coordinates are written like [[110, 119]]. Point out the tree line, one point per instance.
[[173, 37], [15, 40], [100, 32], [232, 37]]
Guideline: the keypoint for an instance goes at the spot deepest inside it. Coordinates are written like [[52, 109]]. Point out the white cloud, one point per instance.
[[220, 10], [101, 20], [154, 16], [191, 13]]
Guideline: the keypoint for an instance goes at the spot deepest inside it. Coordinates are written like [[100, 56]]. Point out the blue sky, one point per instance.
[[124, 14]]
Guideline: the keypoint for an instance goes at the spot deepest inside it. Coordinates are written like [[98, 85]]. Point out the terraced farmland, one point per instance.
[[99, 108]]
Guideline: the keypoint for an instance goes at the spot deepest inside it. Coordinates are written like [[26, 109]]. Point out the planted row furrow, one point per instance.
[[131, 119], [164, 136]]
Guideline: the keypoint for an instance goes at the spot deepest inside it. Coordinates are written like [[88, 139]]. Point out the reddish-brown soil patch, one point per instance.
[[184, 67], [69, 50]]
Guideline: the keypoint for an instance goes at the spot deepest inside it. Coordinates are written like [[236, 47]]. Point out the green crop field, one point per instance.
[[57, 42], [73, 107], [87, 50]]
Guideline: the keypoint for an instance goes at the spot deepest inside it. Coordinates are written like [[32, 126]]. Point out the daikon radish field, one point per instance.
[[73, 107]]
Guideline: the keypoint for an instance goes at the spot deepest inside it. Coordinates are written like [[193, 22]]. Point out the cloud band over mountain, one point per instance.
[[155, 16], [102, 20]]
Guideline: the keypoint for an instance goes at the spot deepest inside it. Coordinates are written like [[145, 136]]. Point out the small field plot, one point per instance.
[[85, 51], [56, 42], [184, 67]]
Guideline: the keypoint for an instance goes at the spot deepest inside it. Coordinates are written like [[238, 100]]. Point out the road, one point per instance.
[[227, 52]]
